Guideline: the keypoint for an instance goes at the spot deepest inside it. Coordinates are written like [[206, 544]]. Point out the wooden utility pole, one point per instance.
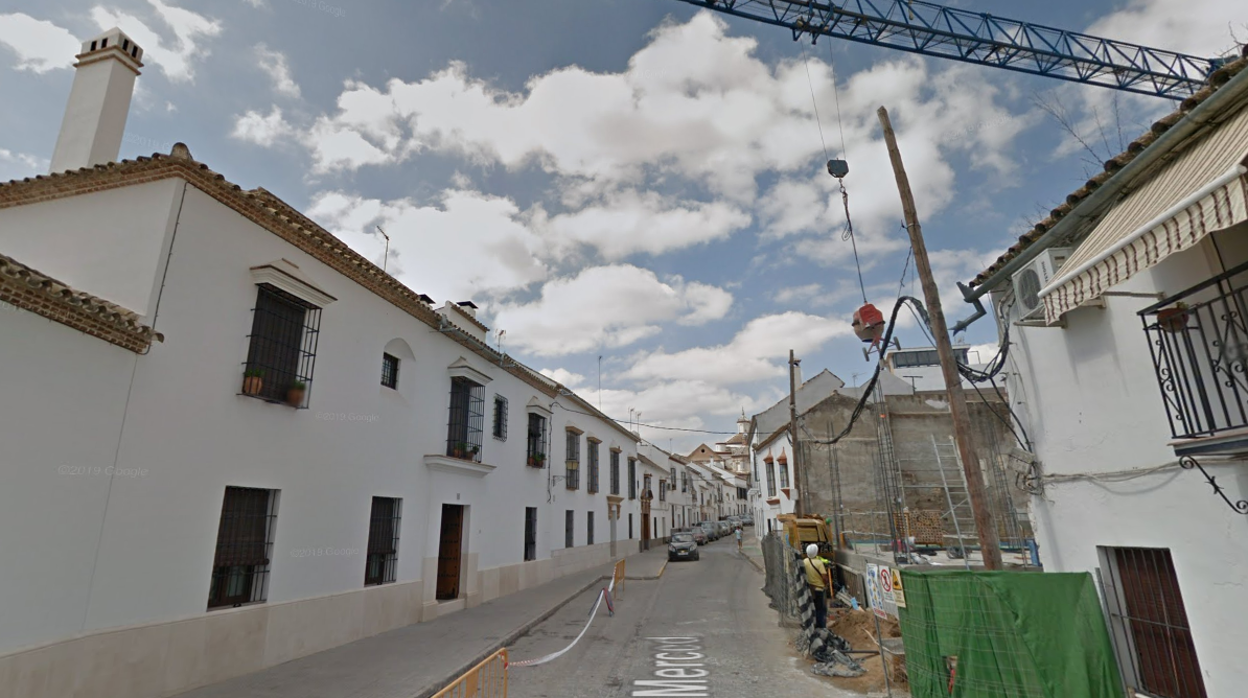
[[798, 470], [985, 525]]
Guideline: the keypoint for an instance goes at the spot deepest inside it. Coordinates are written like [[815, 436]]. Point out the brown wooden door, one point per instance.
[[449, 549]]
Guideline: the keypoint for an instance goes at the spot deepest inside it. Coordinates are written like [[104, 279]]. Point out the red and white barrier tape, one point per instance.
[[604, 594]]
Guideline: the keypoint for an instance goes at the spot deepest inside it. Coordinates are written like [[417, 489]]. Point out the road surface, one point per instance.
[[718, 638]]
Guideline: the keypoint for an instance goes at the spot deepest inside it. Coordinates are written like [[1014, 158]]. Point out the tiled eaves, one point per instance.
[[26, 288], [269, 212], [1219, 78]]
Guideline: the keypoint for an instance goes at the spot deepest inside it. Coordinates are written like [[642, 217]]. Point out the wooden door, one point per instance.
[[645, 524], [449, 550]]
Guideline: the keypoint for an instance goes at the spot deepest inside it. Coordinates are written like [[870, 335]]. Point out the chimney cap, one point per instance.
[[180, 152], [467, 304], [114, 43]]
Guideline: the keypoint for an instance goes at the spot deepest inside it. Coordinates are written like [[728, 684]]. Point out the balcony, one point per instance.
[[1199, 345]]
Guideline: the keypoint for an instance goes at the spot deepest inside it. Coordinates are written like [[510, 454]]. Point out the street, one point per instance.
[[712, 608]]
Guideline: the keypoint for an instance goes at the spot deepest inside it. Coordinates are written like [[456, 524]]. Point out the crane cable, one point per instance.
[[849, 223]]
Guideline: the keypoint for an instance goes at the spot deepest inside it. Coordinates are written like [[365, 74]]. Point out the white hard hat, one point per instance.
[[812, 550]]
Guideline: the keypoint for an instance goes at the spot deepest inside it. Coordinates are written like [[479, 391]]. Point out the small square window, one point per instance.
[[390, 371]]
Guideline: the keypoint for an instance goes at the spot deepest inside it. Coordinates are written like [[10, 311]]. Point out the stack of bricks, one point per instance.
[[926, 526]]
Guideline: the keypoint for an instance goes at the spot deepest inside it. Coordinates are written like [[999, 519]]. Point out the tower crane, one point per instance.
[[978, 37]]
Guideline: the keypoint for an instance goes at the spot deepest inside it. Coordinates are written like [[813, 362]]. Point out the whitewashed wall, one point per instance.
[[190, 435], [1089, 398]]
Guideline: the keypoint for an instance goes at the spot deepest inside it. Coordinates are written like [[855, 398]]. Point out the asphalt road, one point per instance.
[[720, 639]]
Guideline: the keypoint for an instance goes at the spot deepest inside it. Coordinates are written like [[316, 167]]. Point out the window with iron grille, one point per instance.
[[672, 483], [771, 478], [530, 533], [632, 479], [282, 349], [536, 449], [784, 474], [569, 528], [240, 569], [390, 371], [463, 434], [615, 472], [381, 564], [684, 481], [589, 528], [1148, 623], [592, 446], [500, 417], [573, 472], [662, 490], [645, 485]]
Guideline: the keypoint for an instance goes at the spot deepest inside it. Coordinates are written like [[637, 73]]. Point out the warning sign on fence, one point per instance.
[[875, 594], [886, 586], [899, 595]]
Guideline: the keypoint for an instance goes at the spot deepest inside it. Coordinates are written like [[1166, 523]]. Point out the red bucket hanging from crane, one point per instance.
[[869, 324]]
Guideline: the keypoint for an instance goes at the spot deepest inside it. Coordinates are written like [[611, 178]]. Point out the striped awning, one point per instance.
[[1203, 190]]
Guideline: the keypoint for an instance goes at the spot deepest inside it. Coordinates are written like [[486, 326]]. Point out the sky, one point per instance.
[[633, 191]]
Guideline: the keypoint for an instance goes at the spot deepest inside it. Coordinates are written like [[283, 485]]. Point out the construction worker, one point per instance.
[[817, 579]]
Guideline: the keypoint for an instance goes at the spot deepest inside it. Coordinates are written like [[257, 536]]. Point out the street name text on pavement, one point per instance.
[[678, 663]]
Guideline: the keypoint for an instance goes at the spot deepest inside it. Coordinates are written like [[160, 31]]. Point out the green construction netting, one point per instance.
[[1006, 635]]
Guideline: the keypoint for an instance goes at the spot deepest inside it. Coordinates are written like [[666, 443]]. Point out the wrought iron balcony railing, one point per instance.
[[1199, 344]]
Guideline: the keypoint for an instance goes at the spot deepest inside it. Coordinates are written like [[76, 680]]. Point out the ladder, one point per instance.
[[957, 493], [889, 469]]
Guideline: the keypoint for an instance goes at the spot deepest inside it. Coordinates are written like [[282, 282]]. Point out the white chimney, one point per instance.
[[95, 118]]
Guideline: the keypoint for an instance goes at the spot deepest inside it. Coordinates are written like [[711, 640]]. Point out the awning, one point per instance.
[[1203, 190]]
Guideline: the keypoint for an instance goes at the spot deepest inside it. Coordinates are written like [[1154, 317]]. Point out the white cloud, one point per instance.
[[257, 128], [172, 55], [275, 64], [789, 294], [611, 306], [629, 222], [564, 377], [40, 45], [756, 353], [464, 244], [17, 165]]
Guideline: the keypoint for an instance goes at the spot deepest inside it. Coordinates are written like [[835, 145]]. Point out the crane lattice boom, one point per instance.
[[975, 37]]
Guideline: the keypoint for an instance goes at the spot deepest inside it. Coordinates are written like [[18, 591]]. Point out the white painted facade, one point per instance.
[[117, 463]]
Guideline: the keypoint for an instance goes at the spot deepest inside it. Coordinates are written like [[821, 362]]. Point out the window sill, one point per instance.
[[458, 466], [272, 401]]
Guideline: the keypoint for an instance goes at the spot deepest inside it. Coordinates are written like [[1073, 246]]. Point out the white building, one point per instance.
[[178, 522], [1129, 366]]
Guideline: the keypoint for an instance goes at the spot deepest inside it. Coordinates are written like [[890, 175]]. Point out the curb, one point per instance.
[[752, 562], [643, 579], [506, 640]]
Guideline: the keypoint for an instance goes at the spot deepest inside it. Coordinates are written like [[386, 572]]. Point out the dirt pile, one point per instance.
[[858, 628]]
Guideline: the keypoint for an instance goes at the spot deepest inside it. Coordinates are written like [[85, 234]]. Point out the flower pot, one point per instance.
[[1172, 319], [294, 397], [457, 453], [252, 385]]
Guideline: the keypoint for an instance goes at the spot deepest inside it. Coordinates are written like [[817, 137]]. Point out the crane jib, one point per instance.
[[980, 38]]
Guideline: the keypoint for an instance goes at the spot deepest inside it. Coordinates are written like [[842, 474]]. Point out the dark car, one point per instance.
[[699, 536], [711, 530], [682, 547]]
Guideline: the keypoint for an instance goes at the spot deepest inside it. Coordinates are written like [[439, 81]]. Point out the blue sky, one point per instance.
[[630, 179]]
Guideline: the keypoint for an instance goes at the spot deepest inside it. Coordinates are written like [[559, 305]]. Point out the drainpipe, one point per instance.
[[1105, 196]]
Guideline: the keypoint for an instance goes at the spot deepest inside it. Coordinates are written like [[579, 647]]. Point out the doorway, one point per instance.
[[450, 550]]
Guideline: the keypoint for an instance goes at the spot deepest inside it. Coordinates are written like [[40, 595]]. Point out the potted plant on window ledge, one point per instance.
[[459, 450], [295, 393], [253, 381], [537, 460]]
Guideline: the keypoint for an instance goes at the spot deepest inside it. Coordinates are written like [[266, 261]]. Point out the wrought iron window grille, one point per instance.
[[1198, 340], [632, 478], [530, 533], [281, 354], [615, 472], [572, 472], [390, 371], [382, 561], [240, 568], [589, 528], [467, 420], [592, 464], [535, 450], [569, 529], [500, 418]]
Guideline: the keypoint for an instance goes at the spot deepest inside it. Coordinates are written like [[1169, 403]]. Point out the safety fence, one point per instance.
[[487, 679], [617, 579]]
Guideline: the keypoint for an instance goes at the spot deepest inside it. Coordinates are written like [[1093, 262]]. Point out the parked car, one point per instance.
[[735, 521], [699, 536], [724, 528], [682, 547], [711, 530], [747, 520]]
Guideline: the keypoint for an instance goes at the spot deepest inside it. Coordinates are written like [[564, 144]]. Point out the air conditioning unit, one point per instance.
[[1036, 275]]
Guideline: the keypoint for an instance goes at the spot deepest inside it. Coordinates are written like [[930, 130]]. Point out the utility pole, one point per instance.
[[798, 470], [985, 524]]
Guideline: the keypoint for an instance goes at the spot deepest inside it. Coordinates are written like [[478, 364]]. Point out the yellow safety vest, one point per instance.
[[816, 573]]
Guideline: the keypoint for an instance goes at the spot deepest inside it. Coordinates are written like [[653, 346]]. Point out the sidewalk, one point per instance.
[[752, 546], [417, 660]]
